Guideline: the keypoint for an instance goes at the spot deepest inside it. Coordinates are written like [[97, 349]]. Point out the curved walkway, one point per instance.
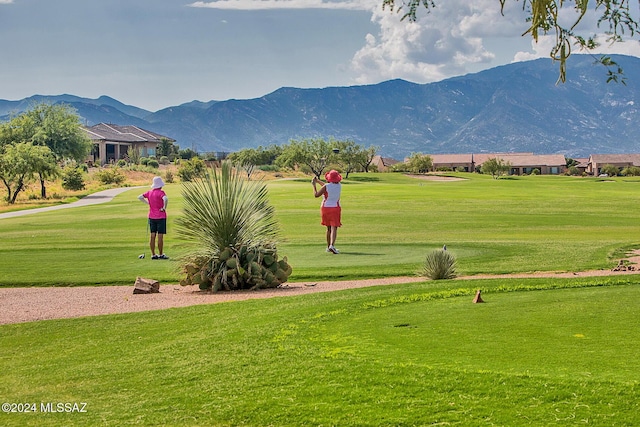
[[92, 199]]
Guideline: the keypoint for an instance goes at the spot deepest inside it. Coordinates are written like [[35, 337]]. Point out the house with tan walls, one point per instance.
[[521, 163], [112, 142], [597, 161], [383, 164]]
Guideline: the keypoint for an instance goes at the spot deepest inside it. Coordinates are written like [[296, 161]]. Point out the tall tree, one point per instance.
[[496, 167], [368, 155], [314, 153], [552, 16], [19, 163], [56, 127]]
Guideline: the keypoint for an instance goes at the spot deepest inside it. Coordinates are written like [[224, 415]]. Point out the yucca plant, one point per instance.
[[234, 231], [439, 264]]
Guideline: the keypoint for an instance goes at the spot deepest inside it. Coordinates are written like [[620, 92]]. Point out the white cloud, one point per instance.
[[286, 4], [542, 49], [6, 1], [442, 43]]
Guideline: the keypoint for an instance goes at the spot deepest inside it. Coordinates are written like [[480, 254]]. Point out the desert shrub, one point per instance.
[[573, 171], [610, 170], [143, 161], [153, 163], [631, 171], [168, 177], [233, 230], [439, 264], [535, 171], [164, 160], [191, 169], [110, 176], [121, 163], [72, 178]]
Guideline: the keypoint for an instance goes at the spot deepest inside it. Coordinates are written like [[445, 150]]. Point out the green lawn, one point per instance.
[[390, 223], [539, 352]]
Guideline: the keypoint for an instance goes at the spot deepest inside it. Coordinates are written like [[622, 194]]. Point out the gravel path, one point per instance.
[[19, 305]]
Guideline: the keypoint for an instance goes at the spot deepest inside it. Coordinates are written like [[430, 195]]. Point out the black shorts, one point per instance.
[[158, 225]]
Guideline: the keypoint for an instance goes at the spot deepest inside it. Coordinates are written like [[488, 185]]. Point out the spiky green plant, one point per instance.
[[234, 231], [439, 264]]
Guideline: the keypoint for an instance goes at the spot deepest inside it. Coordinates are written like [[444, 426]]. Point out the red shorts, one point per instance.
[[331, 216]]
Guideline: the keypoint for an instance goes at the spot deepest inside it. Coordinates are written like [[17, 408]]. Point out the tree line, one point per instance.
[[37, 143], [312, 155]]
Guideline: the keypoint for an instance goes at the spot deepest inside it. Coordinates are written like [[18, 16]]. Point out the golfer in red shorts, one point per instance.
[[330, 209]]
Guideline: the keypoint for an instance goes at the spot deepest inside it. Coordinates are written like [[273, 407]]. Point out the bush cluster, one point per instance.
[[232, 269]]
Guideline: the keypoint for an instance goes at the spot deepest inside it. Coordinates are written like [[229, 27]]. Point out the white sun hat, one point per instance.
[[157, 182]]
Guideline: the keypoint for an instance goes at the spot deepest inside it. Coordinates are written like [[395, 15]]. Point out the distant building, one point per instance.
[[111, 142], [383, 163], [521, 163], [597, 161], [454, 162]]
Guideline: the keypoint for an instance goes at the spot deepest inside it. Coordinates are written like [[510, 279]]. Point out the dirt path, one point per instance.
[[31, 304]]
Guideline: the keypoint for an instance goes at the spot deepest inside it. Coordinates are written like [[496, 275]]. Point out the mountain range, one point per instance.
[[512, 108]]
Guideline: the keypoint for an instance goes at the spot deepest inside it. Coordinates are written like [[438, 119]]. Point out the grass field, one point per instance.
[[539, 352], [390, 223]]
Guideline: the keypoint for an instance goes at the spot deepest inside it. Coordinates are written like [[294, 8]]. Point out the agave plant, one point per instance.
[[233, 230], [439, 264]]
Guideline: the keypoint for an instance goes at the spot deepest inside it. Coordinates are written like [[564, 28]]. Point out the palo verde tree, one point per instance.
[[496, 167], [249, 158], [20, 163], [314, 153], [553, 17], [419, 163], [367, 157], [352, 156]]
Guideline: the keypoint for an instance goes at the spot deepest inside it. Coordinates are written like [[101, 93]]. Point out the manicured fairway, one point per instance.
[[391, 222]]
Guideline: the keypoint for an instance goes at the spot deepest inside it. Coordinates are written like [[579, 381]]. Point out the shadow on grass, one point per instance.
[[364, 179], [360, 254]]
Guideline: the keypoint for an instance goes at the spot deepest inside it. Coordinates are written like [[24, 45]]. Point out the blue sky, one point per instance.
[[159, 53]]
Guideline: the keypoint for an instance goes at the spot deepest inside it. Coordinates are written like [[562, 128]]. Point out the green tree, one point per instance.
[[191, 169], [419, 163], [368, 156], [187, 153], [72, 178], [249, 158], [544, 17], [166, 148], [19, 164], [610, 170], [314, 153], [57, 127], [133, 154], [571, 162], [496, 167], [349, 154]]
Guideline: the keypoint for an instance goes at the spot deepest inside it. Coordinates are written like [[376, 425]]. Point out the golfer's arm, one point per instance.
[[143, 199], [165, 200]]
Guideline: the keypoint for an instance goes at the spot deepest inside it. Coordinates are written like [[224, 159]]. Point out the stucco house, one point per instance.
[[111, 142], [597, 161], [521, 163], [383, 163]]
